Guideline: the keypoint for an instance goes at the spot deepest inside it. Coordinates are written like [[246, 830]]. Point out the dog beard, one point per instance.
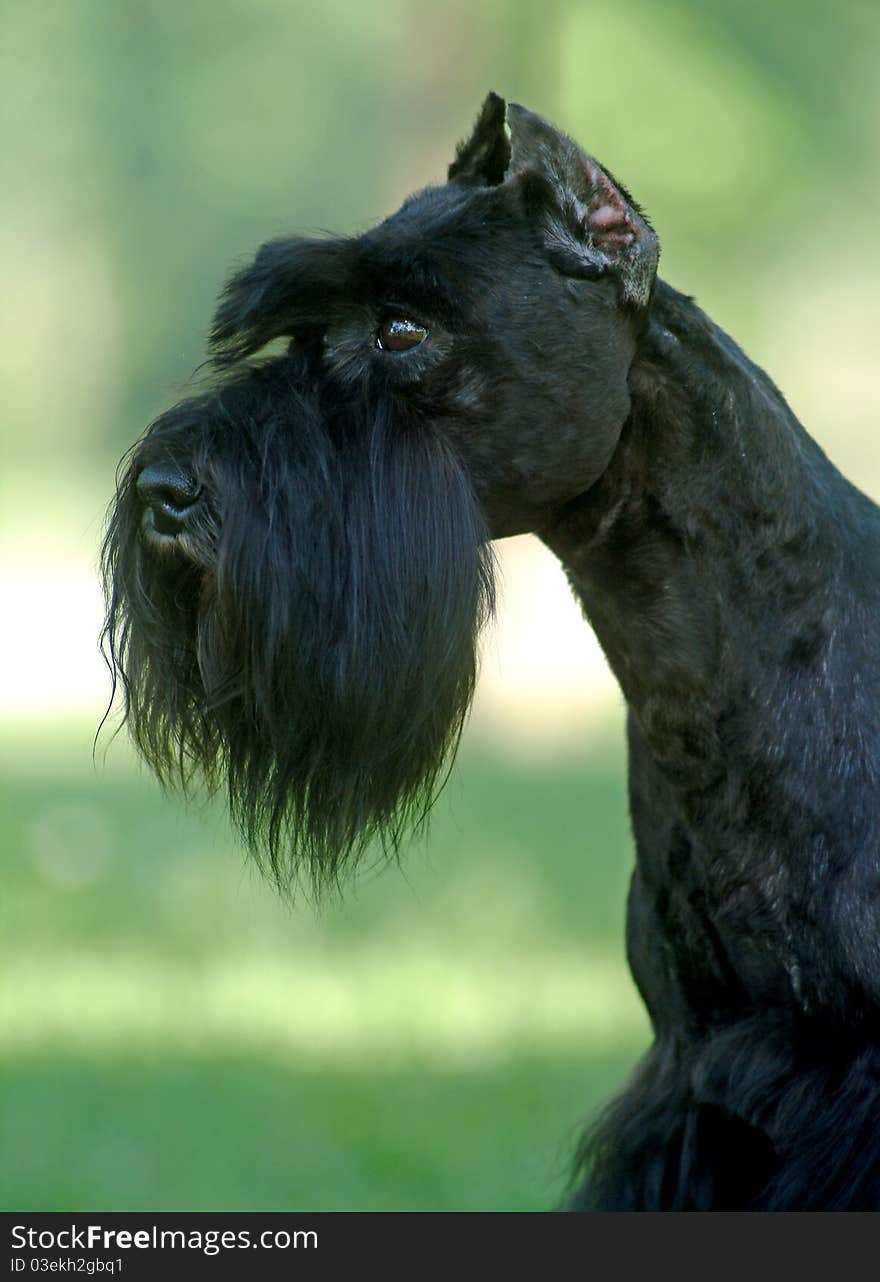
[[310, 642]]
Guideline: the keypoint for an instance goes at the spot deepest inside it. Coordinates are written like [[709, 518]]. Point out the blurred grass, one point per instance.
[[176, 1038]]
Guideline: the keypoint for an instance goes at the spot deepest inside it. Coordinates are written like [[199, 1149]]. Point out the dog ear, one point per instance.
[[591, 223], [482, 161]]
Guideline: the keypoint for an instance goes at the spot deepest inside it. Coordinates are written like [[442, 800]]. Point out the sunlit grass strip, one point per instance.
[[431, 1005]]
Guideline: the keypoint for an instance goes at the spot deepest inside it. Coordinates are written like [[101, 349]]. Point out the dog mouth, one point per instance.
[[163, 532]]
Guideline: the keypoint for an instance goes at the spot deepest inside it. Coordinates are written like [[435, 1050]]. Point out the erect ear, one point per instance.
[[482, 161], [591, 223]]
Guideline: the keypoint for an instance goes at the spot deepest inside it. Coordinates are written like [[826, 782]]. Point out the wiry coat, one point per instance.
[[297, 569]]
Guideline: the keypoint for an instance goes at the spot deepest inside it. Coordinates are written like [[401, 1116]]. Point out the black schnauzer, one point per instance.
[[298, 566]]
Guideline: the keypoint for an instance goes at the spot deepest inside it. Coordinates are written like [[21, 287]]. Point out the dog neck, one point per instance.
[[706, 556]]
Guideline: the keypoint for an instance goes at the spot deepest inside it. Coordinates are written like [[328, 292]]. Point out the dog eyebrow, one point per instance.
[[393, 276]]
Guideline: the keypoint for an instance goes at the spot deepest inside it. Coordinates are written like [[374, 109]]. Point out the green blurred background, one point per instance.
[[172, 1036]]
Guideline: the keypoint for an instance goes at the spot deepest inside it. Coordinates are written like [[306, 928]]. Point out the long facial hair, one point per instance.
[[311, 643]]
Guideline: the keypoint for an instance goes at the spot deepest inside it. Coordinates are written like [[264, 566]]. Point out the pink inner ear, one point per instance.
[[607, 215]]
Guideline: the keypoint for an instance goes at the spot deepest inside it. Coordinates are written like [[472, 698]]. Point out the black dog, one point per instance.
[[297, 570]]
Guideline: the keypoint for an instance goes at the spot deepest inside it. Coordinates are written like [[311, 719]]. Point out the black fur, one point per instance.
[[311, 641], [298, 566]]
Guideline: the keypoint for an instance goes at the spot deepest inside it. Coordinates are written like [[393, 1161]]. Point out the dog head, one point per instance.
[[298, 561]]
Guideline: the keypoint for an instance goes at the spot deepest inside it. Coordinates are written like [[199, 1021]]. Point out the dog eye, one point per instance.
[[400, 334]]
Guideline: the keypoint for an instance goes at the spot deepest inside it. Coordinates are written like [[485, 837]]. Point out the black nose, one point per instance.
[[169, 493]]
